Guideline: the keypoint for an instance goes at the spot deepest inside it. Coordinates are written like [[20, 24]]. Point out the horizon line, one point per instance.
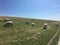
[[29, 17]]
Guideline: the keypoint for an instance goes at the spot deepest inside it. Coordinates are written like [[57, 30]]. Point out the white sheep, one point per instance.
[[57, 24], [6, 19], [27, 22], [32, 24], [1, 19], [45, 26], [8, 23]]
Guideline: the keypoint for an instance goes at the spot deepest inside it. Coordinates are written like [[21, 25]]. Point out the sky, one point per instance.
[[39, 9]]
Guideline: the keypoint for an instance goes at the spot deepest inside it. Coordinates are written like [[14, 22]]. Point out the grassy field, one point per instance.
[[23, 34], [55, 40]]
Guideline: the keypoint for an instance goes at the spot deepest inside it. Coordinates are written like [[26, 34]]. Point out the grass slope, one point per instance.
[[22, 34]]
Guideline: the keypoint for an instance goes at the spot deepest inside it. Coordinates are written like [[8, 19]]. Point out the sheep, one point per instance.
[[45, 26], [7, 19], [32, 24], [1, 19], [57, 24], [8, 23], [27, 22]]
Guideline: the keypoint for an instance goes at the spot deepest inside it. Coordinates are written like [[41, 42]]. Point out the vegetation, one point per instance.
[[56, 39], [23, 34]]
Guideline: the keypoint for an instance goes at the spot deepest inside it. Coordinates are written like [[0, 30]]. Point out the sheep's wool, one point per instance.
[[45, 23]]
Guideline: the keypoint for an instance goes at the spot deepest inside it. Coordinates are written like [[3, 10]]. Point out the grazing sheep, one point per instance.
[[8, 23], [27, 22], [1, 19], [45, 26], [57, 24], [7, 19], [32, 24]]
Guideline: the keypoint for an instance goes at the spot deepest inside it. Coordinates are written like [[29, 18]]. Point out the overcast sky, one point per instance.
[[42, 9]]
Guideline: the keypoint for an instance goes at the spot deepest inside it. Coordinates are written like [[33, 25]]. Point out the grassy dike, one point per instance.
[[15, 35], [56, 39]]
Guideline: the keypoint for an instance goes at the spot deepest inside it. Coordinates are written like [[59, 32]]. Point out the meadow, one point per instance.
[[23, 34]]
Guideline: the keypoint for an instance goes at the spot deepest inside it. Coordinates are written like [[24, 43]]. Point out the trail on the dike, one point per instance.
[[51, 40]]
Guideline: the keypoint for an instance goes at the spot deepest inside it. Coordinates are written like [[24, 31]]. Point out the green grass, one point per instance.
[[56, 39], [21, 31], [42, 39]]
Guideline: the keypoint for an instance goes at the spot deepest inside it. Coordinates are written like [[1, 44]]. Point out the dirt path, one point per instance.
[[49, 43], [59, 42]]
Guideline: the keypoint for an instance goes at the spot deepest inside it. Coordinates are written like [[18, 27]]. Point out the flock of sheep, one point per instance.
[[9, 23], [33, 24]]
